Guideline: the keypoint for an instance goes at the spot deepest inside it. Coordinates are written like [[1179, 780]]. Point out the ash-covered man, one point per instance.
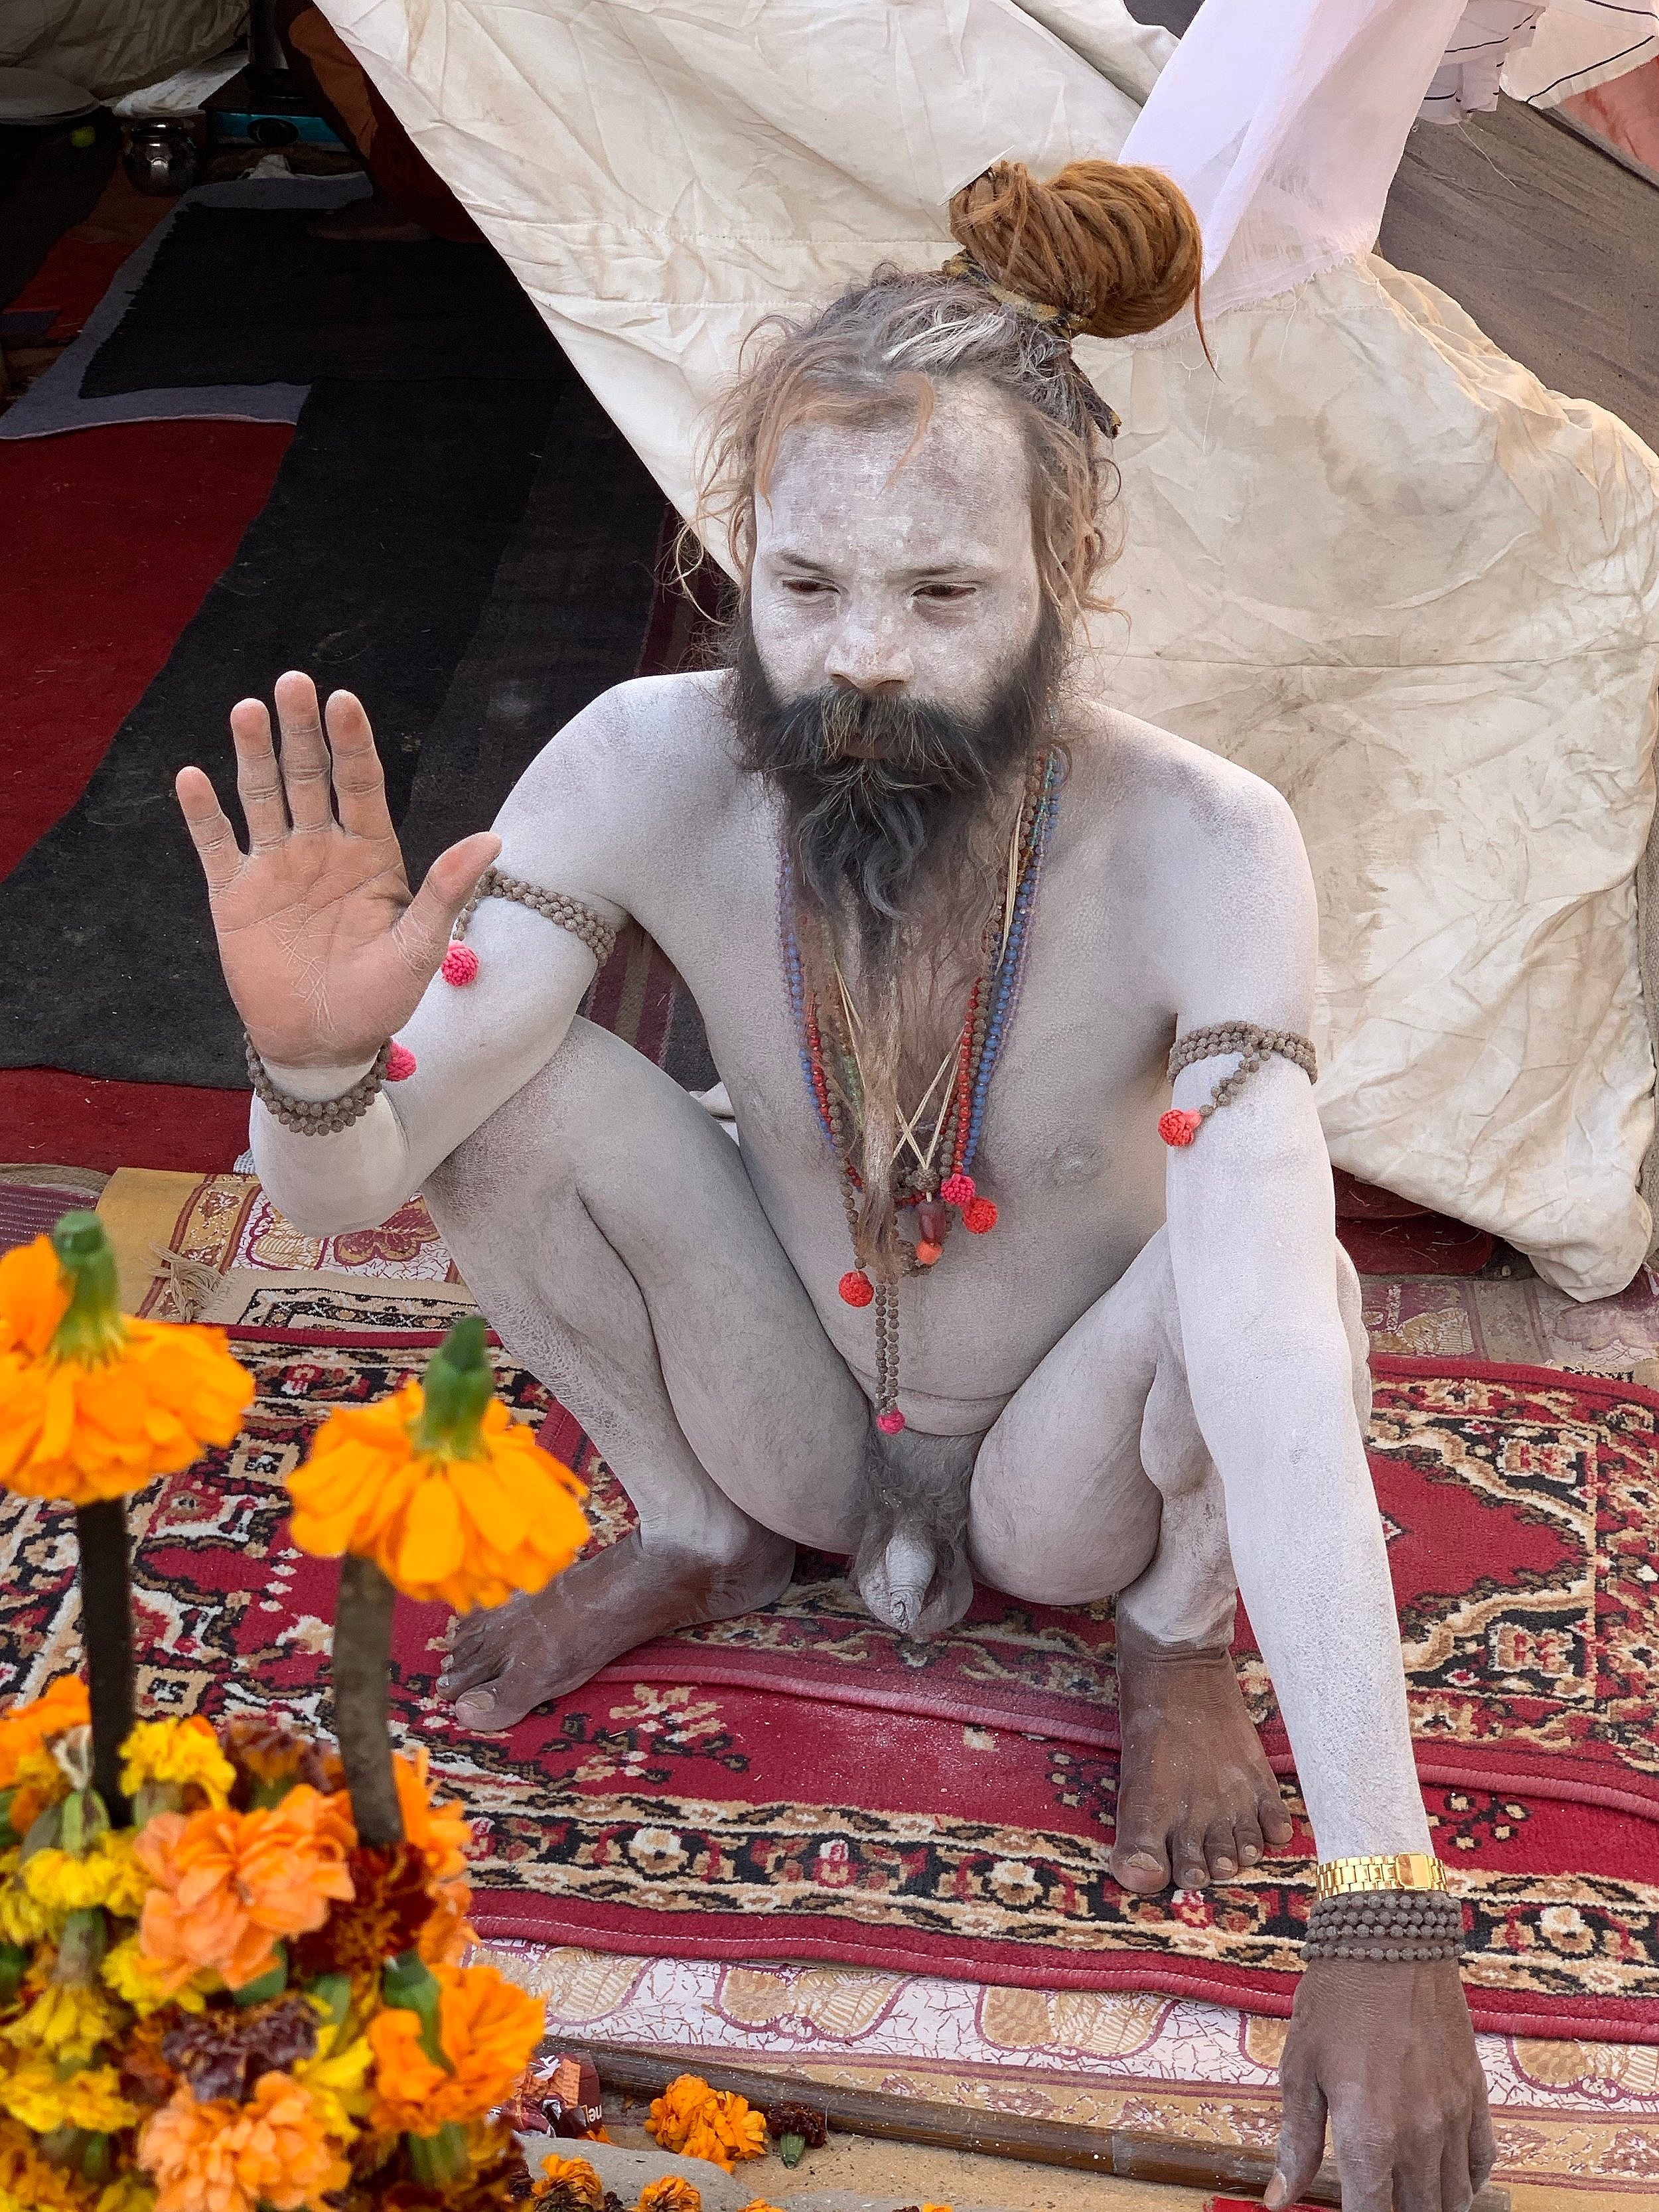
[[973, 1297]]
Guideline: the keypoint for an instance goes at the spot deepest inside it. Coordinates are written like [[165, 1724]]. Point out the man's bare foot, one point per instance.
[[374, 219], [1196, 1797], [504, 1663]]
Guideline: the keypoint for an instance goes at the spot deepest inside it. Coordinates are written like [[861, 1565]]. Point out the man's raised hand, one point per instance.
[[324, 952]]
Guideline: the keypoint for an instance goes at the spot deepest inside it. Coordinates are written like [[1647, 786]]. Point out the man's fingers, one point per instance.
[[209, 830], [422, 929], [1483, 2144], [1301, 2139], [1457, 2184], [258, 785], [359, 784], [305, 775]]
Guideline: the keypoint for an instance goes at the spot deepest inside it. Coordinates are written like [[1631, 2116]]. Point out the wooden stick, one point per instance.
[[1126, 2156], [361, 1660], [106, 1638]]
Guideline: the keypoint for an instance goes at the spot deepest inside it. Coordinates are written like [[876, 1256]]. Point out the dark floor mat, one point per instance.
[[370, 565], [246, 295], [566, 618]]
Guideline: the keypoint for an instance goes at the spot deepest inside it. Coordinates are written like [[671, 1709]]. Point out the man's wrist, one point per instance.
[[317, 1083]]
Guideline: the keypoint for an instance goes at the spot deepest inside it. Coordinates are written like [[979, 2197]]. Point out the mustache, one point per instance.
[[880, 791]]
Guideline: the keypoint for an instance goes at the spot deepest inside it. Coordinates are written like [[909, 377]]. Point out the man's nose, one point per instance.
[[868, 656]]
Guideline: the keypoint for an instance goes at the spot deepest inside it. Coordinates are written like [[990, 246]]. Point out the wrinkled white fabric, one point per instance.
[[1467, 82], [1580, 44], [112, 46], [1370, 556]]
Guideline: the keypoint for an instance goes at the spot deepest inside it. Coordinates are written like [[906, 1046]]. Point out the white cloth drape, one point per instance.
[[1366, 556]]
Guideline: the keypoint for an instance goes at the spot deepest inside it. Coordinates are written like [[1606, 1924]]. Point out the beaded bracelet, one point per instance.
[[1386, 1925], [1256, 1047], [325, 1117], [461, 962]]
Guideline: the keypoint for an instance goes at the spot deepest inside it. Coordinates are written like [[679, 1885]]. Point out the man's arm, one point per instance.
[[327, 954], [1384, 2051], [1252, 1239]]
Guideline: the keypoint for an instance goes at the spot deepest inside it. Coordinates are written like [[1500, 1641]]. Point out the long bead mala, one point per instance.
[[828, 1061]]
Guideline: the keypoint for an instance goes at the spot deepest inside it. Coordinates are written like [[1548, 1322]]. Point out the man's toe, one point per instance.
[[1140, 1864], [1221, 1851], [1191, 1869], [1276, 1825], [1246, 1834]]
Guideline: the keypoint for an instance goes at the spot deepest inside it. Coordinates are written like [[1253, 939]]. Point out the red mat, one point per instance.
[[800, 1784]]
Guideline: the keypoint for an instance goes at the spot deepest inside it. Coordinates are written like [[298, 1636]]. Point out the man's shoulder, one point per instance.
[[655, 736], [1157, 782]]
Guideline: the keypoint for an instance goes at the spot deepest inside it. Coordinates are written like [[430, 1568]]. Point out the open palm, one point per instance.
[[326, 951]]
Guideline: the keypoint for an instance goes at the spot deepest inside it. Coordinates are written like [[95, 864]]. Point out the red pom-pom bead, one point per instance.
[[979, 1216], [927, 1251], [400, 1064], [1179, 1125], [958, 1190], [460, 964], [889, 1423], [856, 1287]]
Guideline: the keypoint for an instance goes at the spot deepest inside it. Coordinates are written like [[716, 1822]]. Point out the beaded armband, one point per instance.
[[1255, 1046], [1387, 1926], [324, 1117], [461, 962]]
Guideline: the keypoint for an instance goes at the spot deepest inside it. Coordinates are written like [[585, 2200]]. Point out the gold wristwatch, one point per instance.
[[1390, 1871]]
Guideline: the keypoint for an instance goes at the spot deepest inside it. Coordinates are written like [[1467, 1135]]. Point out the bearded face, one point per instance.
[[893, 805]]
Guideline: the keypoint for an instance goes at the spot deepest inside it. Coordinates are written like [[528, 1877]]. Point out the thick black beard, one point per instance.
[[889, 849]]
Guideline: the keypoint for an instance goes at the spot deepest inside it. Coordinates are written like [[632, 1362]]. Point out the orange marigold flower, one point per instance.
[[441, 1831], [228, 1884], [93, 1405], [449, 1495], [713, 2124], [24, 1728], [488, 2030], [222, 2157], [673, 2193], [571, 2183]]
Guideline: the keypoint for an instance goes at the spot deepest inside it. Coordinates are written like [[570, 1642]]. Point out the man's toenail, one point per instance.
[[1226, 1866], [1249, 1854], [476, 1706]]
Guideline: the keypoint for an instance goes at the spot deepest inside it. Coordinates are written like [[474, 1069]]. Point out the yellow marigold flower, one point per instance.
[[90, 2099], [229, 1884], [28, 2184], [488, 2030], [670, 2194], [147, 1988], [58, 1883], [184, 1753], [704, 2123], [219, 2157], [22, 1920], [449, 1495], [66, 2021], [25, 1729], [128, 2192], [338, 2083], [92, 1405], [575, 2181]]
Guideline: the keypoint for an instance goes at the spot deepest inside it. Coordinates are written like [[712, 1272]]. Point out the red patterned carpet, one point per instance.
[[801, 1784]]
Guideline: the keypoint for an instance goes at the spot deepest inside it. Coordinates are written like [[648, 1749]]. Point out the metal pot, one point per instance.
[[161, 158]]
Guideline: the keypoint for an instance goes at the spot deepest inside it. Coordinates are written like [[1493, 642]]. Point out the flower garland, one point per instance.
[[233, 1962]]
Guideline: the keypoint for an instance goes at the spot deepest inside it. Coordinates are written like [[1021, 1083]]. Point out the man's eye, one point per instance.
[[946, 593], [805, 588]]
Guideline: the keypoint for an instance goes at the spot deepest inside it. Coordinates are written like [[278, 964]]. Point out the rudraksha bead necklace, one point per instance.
[[939, 1142]]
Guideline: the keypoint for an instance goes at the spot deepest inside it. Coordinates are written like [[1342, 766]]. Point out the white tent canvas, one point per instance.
[[1365, 554]]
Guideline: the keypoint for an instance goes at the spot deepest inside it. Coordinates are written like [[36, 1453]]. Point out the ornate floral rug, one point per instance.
[[800, 1784]]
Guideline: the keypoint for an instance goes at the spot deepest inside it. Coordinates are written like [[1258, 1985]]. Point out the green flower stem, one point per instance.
[[107, 1632], [458, 1387], [437, 2160], [91, 1329], [362, 1662]]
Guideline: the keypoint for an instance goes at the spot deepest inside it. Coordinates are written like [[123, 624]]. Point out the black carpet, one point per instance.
[[370, 565], [244, 295], [565, 620]]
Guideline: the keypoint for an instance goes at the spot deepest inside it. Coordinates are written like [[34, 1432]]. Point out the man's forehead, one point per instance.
[[967, 470]]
